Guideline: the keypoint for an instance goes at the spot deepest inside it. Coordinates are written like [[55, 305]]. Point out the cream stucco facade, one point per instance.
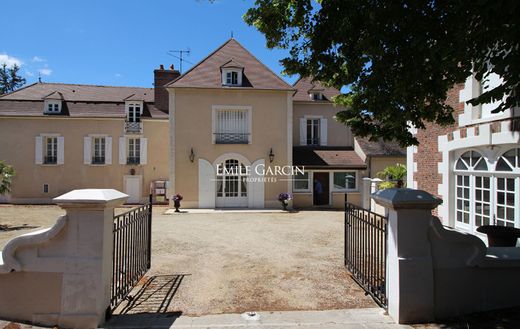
[[192, 119], [18, 149]]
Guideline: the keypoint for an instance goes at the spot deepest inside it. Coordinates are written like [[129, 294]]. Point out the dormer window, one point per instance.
[[134, 110], [52, 107], [315, 96], [232, 78]]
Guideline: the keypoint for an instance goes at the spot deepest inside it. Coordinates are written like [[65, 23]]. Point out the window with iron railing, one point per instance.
[[51, 150], [134, 151], [313, 132], [99, 145], [232, 126]]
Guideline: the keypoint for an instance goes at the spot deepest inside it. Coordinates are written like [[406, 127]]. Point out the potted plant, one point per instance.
[[284, 199], [177, 201], [500, 236]]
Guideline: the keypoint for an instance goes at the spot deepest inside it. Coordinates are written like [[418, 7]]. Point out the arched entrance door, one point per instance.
[[231, 184]]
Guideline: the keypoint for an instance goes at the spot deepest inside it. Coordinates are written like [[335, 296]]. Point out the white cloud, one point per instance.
[[45, 71], [29, 74], [38, 59], [10, 61]]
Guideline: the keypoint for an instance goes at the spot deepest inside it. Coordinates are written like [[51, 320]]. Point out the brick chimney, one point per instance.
[[160, 78]]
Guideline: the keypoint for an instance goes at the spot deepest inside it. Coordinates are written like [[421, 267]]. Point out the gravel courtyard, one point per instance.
[[236, 262]]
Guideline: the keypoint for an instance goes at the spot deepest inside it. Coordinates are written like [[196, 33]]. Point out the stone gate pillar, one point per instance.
[[88, 247], [409, 278]]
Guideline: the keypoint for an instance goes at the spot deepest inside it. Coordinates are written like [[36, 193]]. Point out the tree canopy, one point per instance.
[[397, 59], [9, 79]]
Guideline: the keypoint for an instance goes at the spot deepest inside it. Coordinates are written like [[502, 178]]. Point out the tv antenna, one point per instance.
[[180, 56]]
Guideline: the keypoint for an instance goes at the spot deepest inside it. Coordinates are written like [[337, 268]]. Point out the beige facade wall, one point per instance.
[[18, 149], [337, 133], [380, 163], [192, 116]]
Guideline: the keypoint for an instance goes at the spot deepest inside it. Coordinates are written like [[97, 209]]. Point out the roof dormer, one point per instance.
[[52, 103], [232, 72], [316, 93]]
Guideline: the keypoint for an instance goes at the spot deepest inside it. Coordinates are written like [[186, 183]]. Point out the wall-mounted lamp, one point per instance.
[[271, 155], [192, 155]]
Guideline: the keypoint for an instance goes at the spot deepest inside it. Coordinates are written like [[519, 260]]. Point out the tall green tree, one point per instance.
[[397, 58], [6, 177], [10, 80]]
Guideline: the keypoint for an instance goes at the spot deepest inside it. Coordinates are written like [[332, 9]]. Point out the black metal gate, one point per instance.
[[365, 250], [132, 250]]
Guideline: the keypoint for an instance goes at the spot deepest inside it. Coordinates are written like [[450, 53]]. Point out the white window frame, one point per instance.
[[309, 184], [55, 104], [217, 108], [89, 149], [136, 142], [473, 114], [41, 149], [130, 111], [313, 122], [323, 130], [226, 71], [356, 182], [493, 176]]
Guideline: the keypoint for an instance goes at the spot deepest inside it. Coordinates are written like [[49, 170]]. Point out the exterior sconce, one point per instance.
[[271, 155], [192, 155]]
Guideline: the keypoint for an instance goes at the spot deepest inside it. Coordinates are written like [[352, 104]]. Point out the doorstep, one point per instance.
[[223, 210]]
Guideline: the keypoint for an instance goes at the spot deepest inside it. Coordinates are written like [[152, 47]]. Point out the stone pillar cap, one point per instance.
[[91, 196], [406, 198]]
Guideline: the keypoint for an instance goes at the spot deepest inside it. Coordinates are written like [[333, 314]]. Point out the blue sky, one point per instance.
[[121, 42]]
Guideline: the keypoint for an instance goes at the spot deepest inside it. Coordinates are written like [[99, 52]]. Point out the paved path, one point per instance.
[[367, 318]]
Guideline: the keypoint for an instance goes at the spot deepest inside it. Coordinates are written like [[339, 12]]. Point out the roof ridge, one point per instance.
[[14, 91], [85, 84]]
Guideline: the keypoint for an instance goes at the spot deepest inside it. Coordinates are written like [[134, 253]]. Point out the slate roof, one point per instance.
[[76, 92], [327, 157], [305, 85], [78, 101], [207, 73], [380, 148]]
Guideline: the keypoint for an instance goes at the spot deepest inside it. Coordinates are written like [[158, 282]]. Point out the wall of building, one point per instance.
[[378, 164], [18, 149], [338, 133], [426, 155], [192, 115]]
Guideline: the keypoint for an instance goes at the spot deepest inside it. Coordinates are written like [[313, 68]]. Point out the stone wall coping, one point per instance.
[[405, 198], [92, 197]]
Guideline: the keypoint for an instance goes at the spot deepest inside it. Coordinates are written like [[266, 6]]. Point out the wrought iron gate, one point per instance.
[[132, 250], [365, 250]]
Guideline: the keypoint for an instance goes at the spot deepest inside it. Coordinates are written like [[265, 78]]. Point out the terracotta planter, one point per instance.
[[500, 236]]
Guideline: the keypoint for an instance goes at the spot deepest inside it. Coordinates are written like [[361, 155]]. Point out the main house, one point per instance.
[[473, 165], [227, 133]]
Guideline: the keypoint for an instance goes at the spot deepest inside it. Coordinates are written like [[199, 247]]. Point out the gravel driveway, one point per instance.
[[236, 262]]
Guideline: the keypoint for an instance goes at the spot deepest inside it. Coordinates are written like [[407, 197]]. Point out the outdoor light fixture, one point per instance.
[[192, 155], [271, 155]]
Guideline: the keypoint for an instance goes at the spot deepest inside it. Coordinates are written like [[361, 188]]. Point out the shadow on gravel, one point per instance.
[[148, 304]]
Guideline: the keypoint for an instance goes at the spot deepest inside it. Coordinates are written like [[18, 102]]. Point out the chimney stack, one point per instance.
[[161, 78]]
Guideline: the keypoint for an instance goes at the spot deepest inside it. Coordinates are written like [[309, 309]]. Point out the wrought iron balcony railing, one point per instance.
[[133, 160], [50, 160], [98, 160], [133, 127], [231, 138]]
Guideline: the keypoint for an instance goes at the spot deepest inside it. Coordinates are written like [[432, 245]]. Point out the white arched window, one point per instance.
[[485, 195]]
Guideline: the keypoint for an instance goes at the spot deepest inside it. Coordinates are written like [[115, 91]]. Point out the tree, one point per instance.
[[398, 59], [6, 176], [394, 176], [9, 79]]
